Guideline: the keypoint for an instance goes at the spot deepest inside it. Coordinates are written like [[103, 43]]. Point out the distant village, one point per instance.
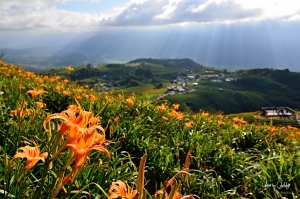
[[184, 81]]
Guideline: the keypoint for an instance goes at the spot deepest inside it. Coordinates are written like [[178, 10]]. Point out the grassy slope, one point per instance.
[[230, 158]]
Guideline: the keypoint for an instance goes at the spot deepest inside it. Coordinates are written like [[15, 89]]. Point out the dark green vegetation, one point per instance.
[[169, 63], [253, 89]]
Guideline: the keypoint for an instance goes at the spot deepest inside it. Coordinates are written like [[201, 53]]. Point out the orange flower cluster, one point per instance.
[[81, 133], [109, 98], [220, 122], [40, 104], [205, 114], [35, 92], [175, 114], [175, 106], [55, 78], [58, 88], [42, 84], [69, 69], [272, 129], [289, 127], [238, 120], [161, 108], [130, 101], [66, 93], [189, 124], [20, 112], [236, 126], [294, 136]]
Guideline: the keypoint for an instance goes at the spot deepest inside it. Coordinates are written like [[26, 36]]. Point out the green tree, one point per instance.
[[159, 85], [133, 82], [148, 73]]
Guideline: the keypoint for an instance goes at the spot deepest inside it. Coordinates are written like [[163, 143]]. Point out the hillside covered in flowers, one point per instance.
[[64, 140]]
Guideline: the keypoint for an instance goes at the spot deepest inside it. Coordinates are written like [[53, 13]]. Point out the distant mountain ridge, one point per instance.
[[169, 63]]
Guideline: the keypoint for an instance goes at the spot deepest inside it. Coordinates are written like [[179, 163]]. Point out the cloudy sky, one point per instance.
[[33, 18], [83, 15]]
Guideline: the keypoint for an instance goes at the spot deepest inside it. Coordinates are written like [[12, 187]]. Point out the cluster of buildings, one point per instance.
[[181, 79], [176, 89]]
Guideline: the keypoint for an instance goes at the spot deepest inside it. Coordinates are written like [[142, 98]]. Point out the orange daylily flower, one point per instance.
[[175, 106], [130, 101], [40, 80], [66, 93], [161, 108], [79, 90], [289, 127], [177, 115], [40, 104], [220, 122], [93, 98], [189, 124], [35, 92], [236, 126], [69, 68], [73, 122], [57, 77], [77, 97], [120, 97], [86, 143], [239, 121], [292, 136], [91, 140], [76, 124], [58, 88], [32, 154], [74, 108], [118, 190], [20, 112], [85, 96], [205, 114]]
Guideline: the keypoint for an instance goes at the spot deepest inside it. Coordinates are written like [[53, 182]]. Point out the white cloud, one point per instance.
[[43, 14], [273, 8], [137, 13], [206, 11], [157, 12]]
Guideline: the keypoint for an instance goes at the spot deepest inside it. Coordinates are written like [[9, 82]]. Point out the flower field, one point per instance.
[[63, 140]]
